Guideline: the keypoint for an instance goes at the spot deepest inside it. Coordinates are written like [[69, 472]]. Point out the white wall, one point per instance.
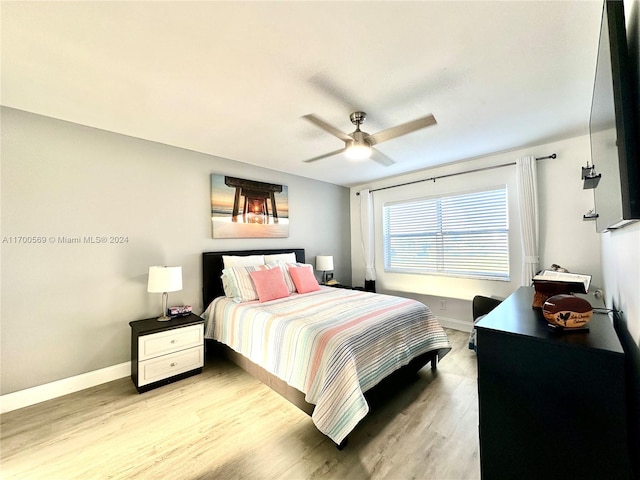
[[565, 238], [65, 307]]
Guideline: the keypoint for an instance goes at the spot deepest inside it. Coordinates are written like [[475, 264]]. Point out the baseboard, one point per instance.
[[455, 324], [41, 393]]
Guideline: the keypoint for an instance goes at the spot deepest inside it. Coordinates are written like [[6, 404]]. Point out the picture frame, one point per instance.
[[244, 208]]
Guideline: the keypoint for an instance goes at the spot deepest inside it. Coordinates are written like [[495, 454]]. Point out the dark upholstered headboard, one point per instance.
[[212, 269]]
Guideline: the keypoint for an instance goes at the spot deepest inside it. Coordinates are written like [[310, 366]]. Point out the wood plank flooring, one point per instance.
[[224, 424]]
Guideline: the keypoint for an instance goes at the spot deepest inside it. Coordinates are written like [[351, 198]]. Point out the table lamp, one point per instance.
[[324, 263], [164, 280]]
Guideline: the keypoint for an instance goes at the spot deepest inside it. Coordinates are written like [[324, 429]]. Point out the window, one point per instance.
[[463, 235]]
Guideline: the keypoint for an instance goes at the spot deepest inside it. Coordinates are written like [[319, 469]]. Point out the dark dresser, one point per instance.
[[551, 404]]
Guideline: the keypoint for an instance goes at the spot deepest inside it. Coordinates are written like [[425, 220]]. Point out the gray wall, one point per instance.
[[65, 308]]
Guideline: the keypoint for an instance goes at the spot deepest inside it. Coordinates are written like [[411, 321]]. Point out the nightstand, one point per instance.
[[335, 285], [163, 352], [348, 287]]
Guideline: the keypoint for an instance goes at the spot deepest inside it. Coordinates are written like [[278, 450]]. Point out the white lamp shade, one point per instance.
[[324, 263], [358, 151], [164, 279]]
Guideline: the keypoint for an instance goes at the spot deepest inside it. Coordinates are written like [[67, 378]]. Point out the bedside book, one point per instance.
[[549, 283]]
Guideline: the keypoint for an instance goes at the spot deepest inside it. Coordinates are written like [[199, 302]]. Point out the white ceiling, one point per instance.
[[232, 79]]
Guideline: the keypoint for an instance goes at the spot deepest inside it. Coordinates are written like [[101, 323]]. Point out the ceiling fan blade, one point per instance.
[[328, 127], [381, 158], [399, 130], [320, 157]]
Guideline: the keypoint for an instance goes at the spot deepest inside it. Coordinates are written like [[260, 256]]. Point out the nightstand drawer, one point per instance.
[[169, 365], [170, 341]]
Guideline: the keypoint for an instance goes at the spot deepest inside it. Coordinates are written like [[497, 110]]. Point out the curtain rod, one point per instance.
[[553, 155]]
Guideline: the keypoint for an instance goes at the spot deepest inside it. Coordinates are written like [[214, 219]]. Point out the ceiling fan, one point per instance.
[[358, 145]]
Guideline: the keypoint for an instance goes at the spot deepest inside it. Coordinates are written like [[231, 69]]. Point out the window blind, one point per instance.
[[463, 235]]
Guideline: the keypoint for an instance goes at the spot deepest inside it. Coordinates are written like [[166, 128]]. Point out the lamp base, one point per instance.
[[164, 317]]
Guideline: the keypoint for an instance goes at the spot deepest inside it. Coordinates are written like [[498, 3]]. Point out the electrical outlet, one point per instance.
[[443, 304]]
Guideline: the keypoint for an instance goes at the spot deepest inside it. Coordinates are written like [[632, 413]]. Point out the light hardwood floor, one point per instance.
[[224, 424]]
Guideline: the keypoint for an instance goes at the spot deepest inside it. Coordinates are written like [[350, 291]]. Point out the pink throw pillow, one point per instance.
[[304, 279], [269, 284]]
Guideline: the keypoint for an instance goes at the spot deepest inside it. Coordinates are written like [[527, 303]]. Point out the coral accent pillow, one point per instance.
[[269, 284], [285, 274], [304, 279]]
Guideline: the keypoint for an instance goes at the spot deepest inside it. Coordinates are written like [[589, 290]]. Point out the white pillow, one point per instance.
[[297, 264], [231, 261], [283, 257]]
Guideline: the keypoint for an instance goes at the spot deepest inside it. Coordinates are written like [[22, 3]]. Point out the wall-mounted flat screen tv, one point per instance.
[[612, 126]]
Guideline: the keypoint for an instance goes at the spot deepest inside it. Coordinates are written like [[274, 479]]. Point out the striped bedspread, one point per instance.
[[332, 345]]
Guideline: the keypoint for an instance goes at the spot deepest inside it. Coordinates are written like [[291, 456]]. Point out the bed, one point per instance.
[[323, 349]]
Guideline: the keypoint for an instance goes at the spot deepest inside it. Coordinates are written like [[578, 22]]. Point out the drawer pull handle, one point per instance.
[[173, 364], [173, 341]]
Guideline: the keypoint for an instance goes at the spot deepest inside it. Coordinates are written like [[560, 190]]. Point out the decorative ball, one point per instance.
[[567, 311]]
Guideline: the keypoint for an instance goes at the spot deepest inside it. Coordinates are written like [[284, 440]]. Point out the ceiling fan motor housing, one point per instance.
[[359, 148], [357, 118], [359, 138]]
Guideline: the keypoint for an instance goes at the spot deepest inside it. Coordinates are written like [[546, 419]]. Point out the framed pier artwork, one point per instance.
[[242, 208]]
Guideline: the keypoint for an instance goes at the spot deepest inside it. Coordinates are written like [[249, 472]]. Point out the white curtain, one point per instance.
[[366, 233], [528, 205]]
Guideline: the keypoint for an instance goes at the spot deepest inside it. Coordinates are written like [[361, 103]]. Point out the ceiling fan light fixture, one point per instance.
[[358, 152], [358, 144]]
